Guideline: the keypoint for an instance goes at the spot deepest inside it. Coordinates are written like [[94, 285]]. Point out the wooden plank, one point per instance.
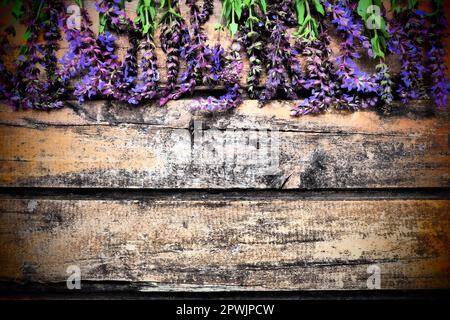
[[414, 118], [129, 148], [215, 243]]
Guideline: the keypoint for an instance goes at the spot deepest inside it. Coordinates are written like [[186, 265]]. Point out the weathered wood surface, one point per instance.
[[241, 240], [219, 243], [108, 145]]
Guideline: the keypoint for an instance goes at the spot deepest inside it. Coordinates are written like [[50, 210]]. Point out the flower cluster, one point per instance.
[[259, 28], [198, 50], [207, 10], [319, 77], [436, 59], [253, 34], [353, 81], [30, 90], [148, 80], [124, 79], [230, 76], [199, 56], [82, 45], [278, 55], [254, 45], [102, 66], [407, 38], [112, 15], [171, 42], [52, 36], [384, 82]]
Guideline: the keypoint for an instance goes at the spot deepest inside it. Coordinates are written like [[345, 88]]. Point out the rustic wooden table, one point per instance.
[[144, 200]]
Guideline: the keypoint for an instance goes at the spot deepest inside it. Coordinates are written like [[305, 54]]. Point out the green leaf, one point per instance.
[[376, 47], [226, 10], [439, 3], [102, 25], [238, 9], [263, 5], [233, 28], [412, 4], [300, 7], [319, 7], [362, 8], [152, 11], [17, 9], [23, 49], [27, 34]]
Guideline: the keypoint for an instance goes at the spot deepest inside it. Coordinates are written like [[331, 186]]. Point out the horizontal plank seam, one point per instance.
[[43, 125], [226, 194], [139, 288]]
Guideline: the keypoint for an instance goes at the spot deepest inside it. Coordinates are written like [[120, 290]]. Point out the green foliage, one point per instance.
[[232, 13], [170, 13], [146, 16], [307, 24], [412, 4], [17, 8], [380, 34]]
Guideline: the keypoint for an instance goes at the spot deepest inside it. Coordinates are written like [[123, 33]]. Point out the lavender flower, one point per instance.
[[277, 55], [436, 59], [407, 38], [207, 10], [384, 82], [112, 15], [29, 90], [147, 88], [82, 44], [52, 36], [197, 54], [230, 76], [352, 79], [253, 42], [124, 78], [319, 77], [201, 53], [171, 42], [103, 64]]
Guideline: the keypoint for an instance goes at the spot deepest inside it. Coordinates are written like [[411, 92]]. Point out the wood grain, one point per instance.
[[215, 243], [95, 146], [60, 211]]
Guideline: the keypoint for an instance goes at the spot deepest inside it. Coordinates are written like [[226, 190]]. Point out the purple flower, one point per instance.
[[230, 76], [408, 30], [436, 58], [352, 80], [278, 55], [29, 89], [197, 54], [319, 78]]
